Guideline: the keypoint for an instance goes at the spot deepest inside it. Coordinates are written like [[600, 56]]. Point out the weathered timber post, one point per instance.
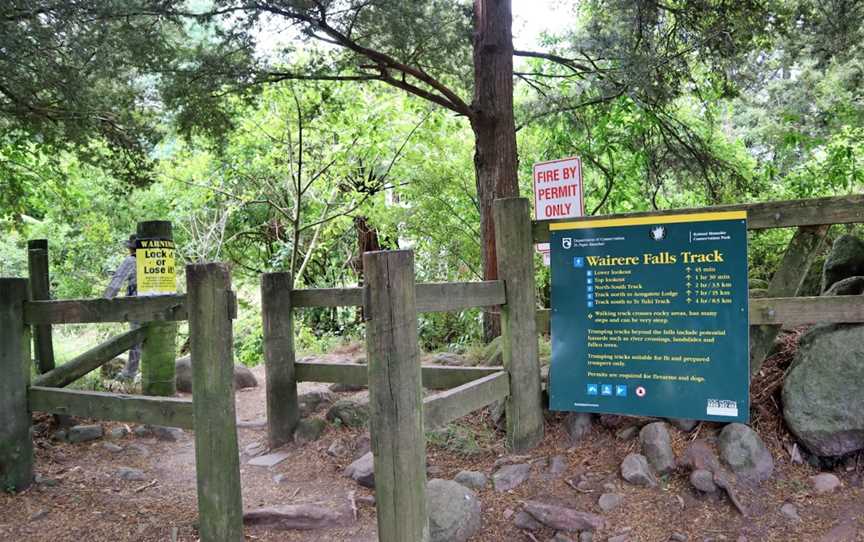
[[524, 409], [159, 350], [283, 410], [16, 445], [217, 463], [40, 289], [395, 396]]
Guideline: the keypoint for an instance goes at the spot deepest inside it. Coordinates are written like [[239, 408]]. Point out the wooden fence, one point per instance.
[[209, 308], [399, 414]]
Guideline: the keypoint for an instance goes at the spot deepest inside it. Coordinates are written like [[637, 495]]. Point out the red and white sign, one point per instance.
[[558, 189], [557, 193]]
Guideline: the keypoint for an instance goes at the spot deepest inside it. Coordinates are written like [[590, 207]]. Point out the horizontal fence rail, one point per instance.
[[121, 309], [760, 216], [167, 411], [356, 374], [790, 311], [431, 296], [161, 308], [442, 408]]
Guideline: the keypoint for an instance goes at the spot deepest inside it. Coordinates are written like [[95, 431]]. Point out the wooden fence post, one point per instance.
[[16, 444], [395, 396], [283, 410], [40, 289], [159, 351], [217, 462], [524, 408]]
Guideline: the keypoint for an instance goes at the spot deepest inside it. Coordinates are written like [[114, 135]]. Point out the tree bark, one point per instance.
[[495, 159]]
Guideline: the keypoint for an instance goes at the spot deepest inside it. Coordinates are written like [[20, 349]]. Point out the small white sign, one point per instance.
[[558, 189]]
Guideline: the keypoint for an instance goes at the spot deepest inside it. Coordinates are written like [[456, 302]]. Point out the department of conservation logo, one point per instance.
[[657, 233], [566, 242]]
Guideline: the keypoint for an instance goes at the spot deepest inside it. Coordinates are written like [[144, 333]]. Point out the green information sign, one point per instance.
[[649, 316]]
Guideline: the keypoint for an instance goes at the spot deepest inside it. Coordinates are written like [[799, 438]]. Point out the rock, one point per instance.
[[339, 387], [311, 401], [84, 433], [743, 451], [139, 449], [36, 516], [493, 353], [703, 480], [824, 483], [143, 431], [524, 520], [636, 470], [61, 435], [362, 445], [111, 447], [847, 286], [454, 511], [586, 536], [47, 482], [447, 358], [130, 475], [846, 259], [349, 412], [562, 518], [577, 425], [822, 400], [309, 430], [510, 476], [116, 433], [627, 433], [557, 467], [338, 448], [657, 447], [700, 455], [299, 517], [609, 501], [678, 537], [168, 434], [790, 511], [268, 460], [362, 470], [471, 479], [243, 377], [683, 424], [254, 449]]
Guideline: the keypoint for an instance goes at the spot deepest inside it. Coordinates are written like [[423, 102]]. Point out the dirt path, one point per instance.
[[84, 499]]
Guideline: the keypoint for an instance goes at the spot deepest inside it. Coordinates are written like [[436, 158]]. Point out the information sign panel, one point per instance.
[[649, 316]]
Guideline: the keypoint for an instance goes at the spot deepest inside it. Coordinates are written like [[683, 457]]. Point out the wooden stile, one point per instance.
[[283, 409], [16, 445], [395, 397], [518, 325], [220, 507]]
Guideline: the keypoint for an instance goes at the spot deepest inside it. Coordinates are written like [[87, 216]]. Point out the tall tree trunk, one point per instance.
[[495, 159]]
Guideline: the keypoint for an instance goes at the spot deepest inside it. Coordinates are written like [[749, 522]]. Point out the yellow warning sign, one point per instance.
[[154, 259]]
